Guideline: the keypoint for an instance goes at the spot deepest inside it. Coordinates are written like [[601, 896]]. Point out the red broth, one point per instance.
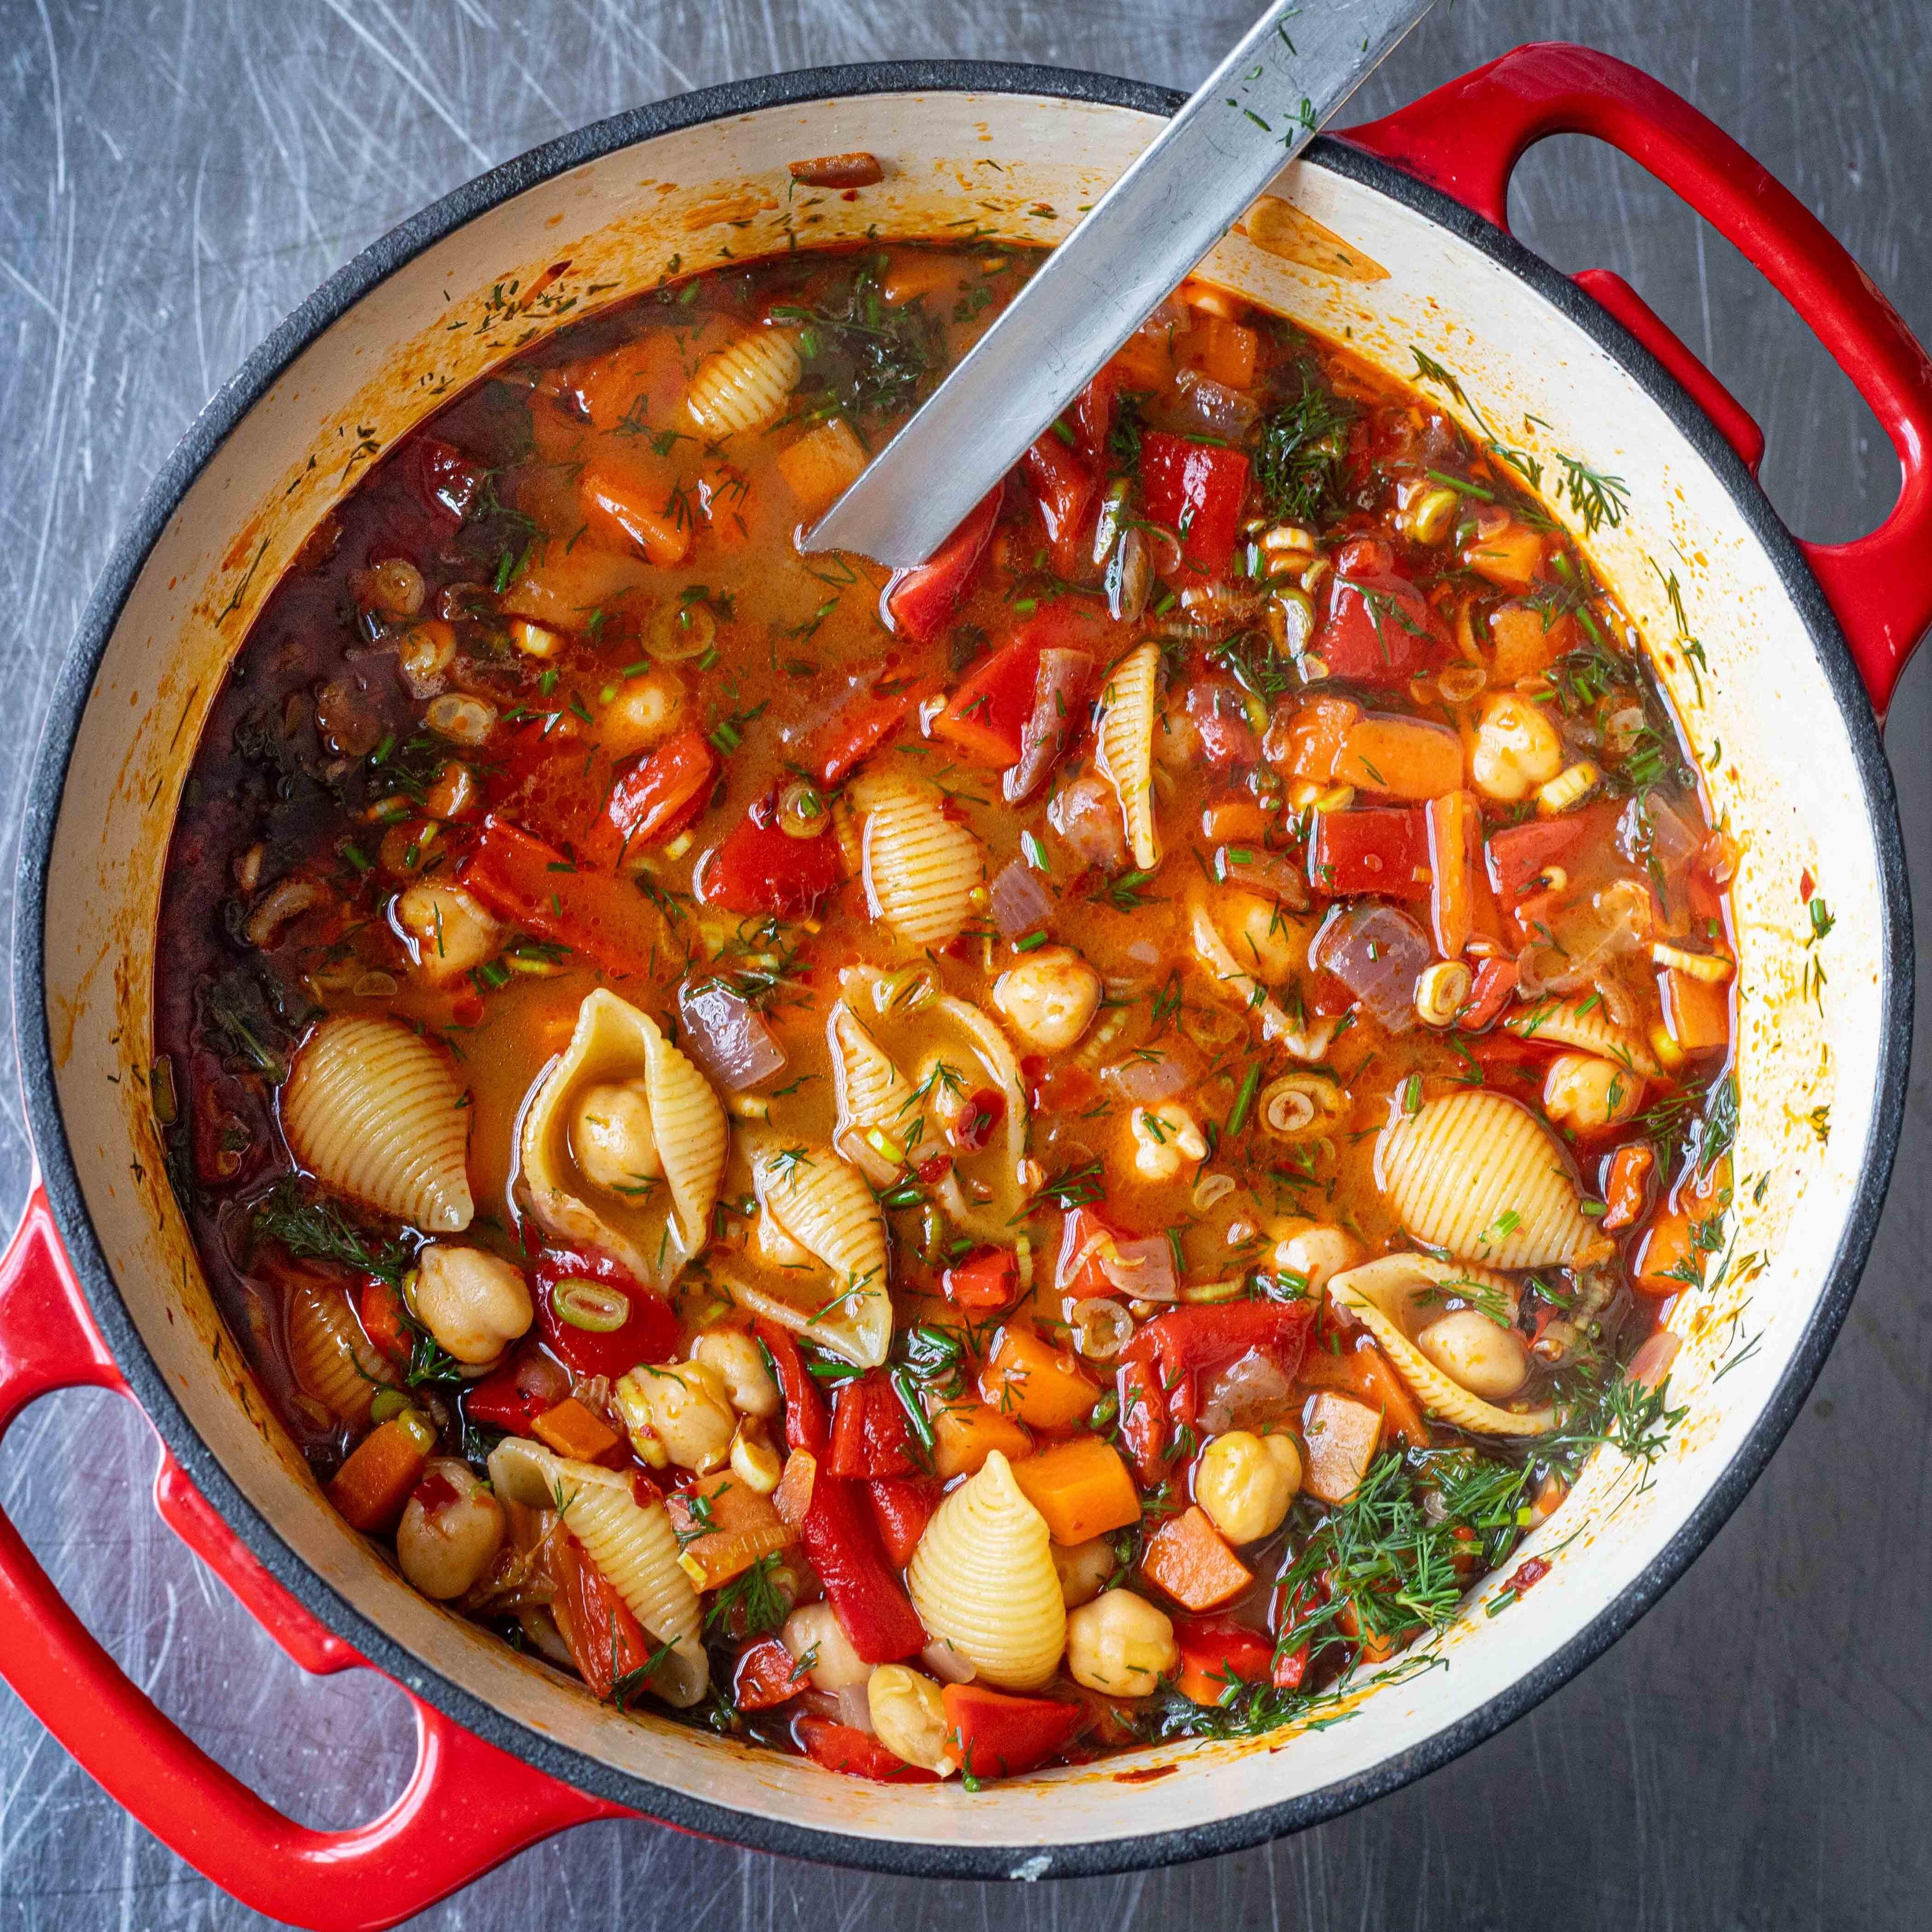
[[1161, 1067]]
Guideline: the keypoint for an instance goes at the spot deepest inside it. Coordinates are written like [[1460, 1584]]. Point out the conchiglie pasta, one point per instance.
[[746, 385], [1394, 1296], [1478, 1173], [983, 1580], [878, 1108], [827, 1207], [1584, 1024], [921, 868], [1126, 746], [373, 1112], [332, 1359]]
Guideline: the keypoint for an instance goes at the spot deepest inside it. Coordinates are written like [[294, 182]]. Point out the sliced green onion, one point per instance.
[[1238, 1115], [387, 1402], [590, 1305]]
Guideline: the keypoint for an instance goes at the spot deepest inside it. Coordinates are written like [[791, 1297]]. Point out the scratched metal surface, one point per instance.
[[175, 175]]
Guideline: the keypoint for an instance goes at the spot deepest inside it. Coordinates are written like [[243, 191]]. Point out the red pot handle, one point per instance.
[[1466, 138], [468, 1805]]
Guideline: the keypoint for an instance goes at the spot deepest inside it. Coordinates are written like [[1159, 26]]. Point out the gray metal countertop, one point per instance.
[[175, 175]]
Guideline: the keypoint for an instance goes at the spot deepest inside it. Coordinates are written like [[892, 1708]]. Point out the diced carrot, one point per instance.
[[371, 1487], [1341, 1434], [767, 1676], [1081, 1487], [1317, 737], [1524, 642], [1627, 1186], [793, 1497], [1668, 1259], [1405, 757], [1029, 1378], [911, 276], [621, 385], [1697, 1014], [724, 1526], [1362, 1371], [1145, 361], [1233, 821], [1509, 559], [1186, 1558], [572, 1429], [1222, 350], [821, 466], [623, 509], [1455, 832], [964, 1433]]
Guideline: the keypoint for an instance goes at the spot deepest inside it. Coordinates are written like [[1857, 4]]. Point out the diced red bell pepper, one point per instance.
[[1195, 490], [1185, 1342], [986, 715], [1143, 1417], [836, 1746], [1291, 1666], [1212, 1653], [767, 1676], [1378, 848], [533, 886], [761, 868], [902, 1506], [497, 1403], [805, 1422], [854, 732], [919, 601], [385, 1320], [1094, 416], [1518, 853], [1066, 488], [870, 1603], [984, 1283], [1491, 991], [869, 1435], [652, 797], [606, 1641], [1379, 630], [650, 1332], [997, 1735]]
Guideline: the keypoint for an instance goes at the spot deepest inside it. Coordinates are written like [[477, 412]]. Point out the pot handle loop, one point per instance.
[[1466, 138], [467, 1806]]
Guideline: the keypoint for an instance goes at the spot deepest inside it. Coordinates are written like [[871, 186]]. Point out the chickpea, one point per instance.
[[645, 711], [1050, 998], [678, 1413], [1488, 1359], [1264, 941], [1083, 1568], [753, 1461], [1314, 1251], [1246, 1482], [448, 933], [455, 792], [1120, 1644], [1584, 1091], [740, 1363], [612, 1136], [909, 1718], [813, 1636], [1165, 1138], [445, 1547], [474, 1303], [1517, 750]]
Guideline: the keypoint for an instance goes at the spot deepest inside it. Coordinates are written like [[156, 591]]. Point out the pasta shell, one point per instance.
[[1584, 1024], [332, 1359], [652, 1230], [1241, 988], [633, 1544], [827, 1207], [874, 1096], [373, 1112], [921, 868], [746, 385], [991, 1220], [1479, 1175], [1384, 1295], [1126, 740], [983, 1580]]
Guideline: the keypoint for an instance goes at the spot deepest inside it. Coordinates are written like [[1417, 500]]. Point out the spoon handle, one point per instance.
[[1290, 74]]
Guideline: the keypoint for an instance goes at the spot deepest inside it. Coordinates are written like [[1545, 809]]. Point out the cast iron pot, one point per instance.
[[1395, 236]]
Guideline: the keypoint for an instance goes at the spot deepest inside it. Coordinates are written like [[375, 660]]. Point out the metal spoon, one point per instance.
[[1253, 115]]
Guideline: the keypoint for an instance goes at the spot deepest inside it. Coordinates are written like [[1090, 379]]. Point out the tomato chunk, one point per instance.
[[1194, 490], [1066, 489], [921, 600], [761, 868], [650, 1332], [867, 719], [997, 1735], [1380, 849], [653, 796], [532, 885], [767, 1676], [1379, 631]]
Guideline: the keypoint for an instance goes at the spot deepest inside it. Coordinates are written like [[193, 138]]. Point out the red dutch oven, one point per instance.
[[1396, 233]]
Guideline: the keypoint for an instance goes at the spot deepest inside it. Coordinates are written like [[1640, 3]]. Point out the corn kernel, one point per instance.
[[534, 640]]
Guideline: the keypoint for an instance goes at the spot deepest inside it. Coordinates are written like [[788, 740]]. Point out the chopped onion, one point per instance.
[[1142, 1267], [948, 1665], [1212, 405], [1254, 1389], [1020, 899], [855, 1707], [1651, 1363], [1057, 689], [1377, 952], [1152, 1075], [724, 1033]]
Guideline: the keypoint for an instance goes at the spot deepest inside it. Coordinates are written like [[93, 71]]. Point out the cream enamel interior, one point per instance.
[[1781, 771]]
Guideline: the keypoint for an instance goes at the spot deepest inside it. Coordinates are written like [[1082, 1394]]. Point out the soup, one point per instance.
[[959, 1170]]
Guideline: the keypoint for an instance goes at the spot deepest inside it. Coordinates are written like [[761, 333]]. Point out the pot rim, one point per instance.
[[47, 1127]]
